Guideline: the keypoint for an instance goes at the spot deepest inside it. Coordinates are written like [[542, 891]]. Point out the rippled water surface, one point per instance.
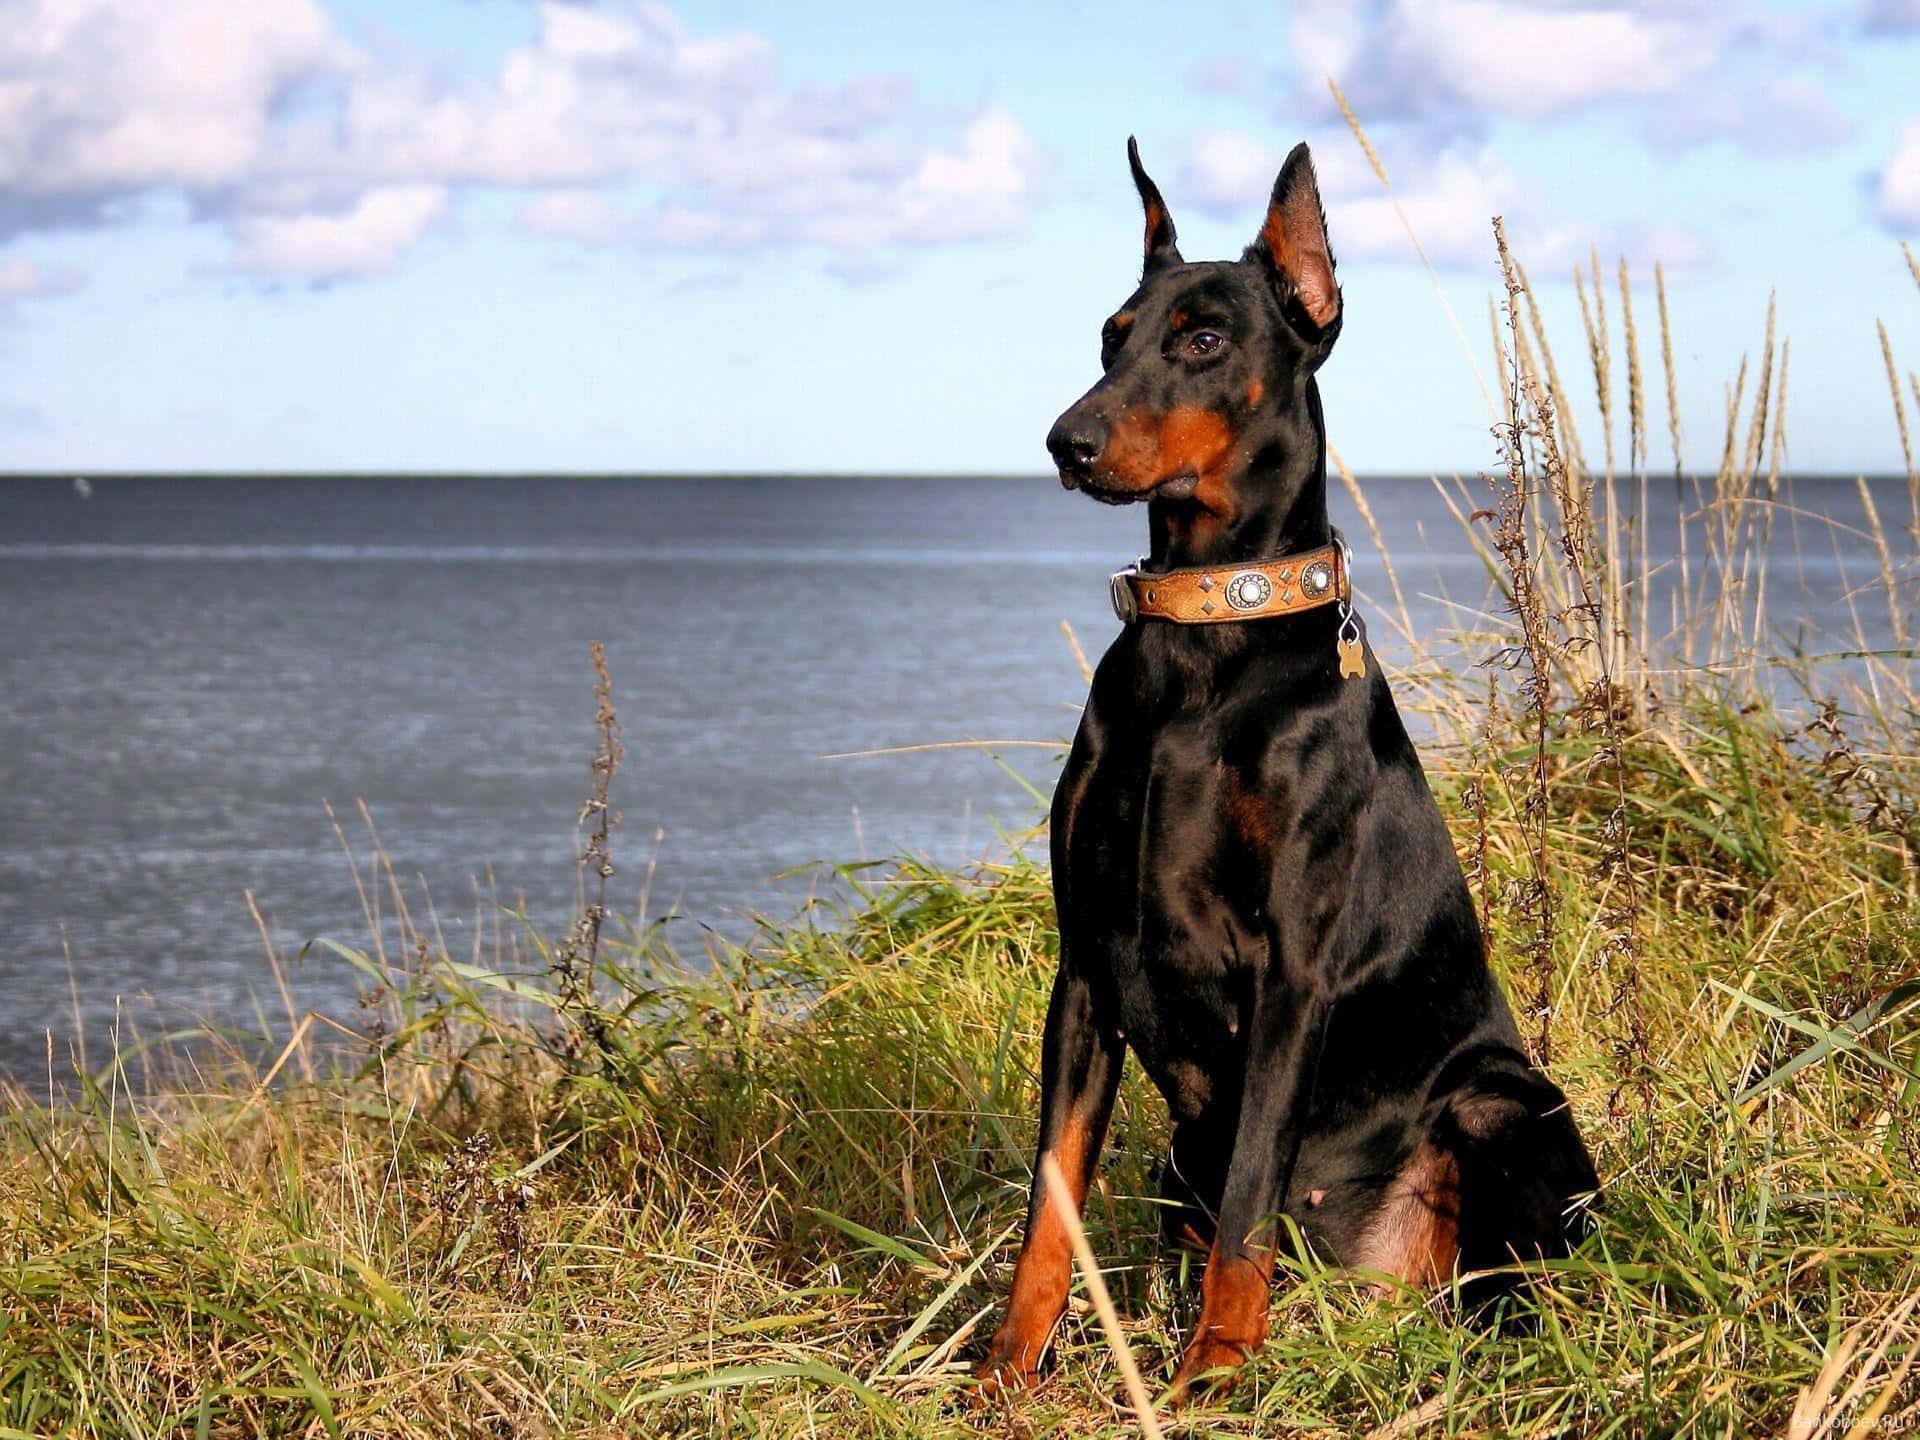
[[191, 668]]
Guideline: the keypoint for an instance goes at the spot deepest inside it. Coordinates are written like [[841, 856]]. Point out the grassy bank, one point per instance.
[[773, 1190]]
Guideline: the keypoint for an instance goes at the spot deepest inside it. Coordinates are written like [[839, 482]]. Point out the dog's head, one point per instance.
[[1208, 366]]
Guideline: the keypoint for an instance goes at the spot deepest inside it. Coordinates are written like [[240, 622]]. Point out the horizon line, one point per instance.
[[68, 476]]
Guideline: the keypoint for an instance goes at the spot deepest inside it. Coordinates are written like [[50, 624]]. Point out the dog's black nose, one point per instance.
[[1075, 442]]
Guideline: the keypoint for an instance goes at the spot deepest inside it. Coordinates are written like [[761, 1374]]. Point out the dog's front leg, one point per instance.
[[1079, 1073], [1292, 999], [1233, 1291]]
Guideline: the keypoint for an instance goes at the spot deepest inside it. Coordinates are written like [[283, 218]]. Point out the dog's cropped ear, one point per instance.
[[1293, 247], [1161, 249]]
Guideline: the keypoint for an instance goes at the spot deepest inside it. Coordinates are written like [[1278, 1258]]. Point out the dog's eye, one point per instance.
[[1205, 342]]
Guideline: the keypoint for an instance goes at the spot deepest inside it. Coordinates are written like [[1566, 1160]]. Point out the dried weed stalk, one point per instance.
[[1673, 438], [576, 961], [1583, 636], [1530, 897], [1900, 419], [1848, 773], [468, 1189]]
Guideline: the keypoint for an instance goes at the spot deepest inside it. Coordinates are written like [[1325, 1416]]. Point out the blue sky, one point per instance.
[[367, 234]]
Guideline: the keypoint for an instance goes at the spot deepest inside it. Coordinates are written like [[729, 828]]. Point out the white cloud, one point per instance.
[[1519, 58], [1891, 16], [371, 237], [1447, 68], [1772, 116], [328, 160], [1430, 79], [1449, 200], [1229, 172], [976, 191], [23, 280], [979, 189], [1448, 197], [97, 95], [595, 94], [576, 213], [1451, 208], [1899, 191]]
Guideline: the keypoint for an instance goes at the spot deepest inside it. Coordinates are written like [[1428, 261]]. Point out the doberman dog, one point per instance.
[[1256, 889]]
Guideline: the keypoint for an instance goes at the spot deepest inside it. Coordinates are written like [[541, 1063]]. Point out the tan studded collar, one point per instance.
[[1210, 594]]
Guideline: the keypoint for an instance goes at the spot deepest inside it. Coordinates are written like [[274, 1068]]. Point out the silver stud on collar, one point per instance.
[[1249, 590]]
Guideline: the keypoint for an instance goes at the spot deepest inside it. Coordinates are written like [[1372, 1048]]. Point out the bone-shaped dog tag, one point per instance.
[[1353, 663]]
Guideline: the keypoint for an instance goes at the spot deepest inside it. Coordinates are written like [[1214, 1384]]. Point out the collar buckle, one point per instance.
[[1126, 604]]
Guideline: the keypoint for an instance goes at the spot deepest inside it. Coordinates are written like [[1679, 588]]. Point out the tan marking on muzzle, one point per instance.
[[1145, 449]]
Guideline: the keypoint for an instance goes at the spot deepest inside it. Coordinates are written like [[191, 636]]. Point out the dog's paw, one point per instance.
[[1009, 1368], [994, 1381], [1210, 1368]]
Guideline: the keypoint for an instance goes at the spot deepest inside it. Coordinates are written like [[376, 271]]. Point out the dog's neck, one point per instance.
[[1276, 506], [1181, 534]]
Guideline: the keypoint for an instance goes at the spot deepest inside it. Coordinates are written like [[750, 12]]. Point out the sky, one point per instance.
[[728, 235]]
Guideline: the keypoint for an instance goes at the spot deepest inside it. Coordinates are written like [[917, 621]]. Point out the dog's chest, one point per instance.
[[1170, 854]]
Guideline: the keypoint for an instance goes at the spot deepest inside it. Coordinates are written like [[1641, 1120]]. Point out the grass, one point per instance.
[[774, 1189]]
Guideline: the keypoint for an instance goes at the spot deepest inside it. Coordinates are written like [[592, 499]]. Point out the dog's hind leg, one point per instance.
[[1414, 1234], [1527, 1184], [1499, 1178]]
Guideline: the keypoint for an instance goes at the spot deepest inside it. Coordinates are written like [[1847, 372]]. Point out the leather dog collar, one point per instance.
[[1209, 594]]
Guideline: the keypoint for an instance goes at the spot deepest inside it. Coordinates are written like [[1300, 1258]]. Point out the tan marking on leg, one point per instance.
[[1042, 1274], [1233, 1319]]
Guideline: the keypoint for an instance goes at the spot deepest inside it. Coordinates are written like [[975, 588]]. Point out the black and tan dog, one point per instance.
[[1256, 890]]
